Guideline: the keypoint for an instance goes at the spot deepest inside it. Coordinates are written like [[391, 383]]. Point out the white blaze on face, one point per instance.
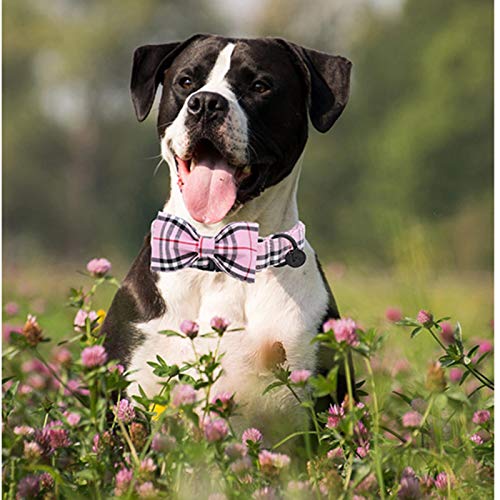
[[175, 141], [205, 186]]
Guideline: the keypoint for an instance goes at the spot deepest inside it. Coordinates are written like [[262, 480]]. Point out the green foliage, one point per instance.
[[69, 429], [412, 153]]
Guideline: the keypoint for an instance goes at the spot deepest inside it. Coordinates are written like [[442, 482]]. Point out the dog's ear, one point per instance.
[[327, 80], [148, 66]]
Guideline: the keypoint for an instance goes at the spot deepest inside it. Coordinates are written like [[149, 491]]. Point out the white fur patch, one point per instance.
[[175, 140]]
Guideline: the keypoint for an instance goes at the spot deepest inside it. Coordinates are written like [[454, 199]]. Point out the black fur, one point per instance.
[[137, 300], [325, 361]]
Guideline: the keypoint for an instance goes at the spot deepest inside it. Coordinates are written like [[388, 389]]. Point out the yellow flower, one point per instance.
[[157, 410], [101, 314]]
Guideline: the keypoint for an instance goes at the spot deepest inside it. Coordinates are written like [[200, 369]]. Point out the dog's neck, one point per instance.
[[275, 210]]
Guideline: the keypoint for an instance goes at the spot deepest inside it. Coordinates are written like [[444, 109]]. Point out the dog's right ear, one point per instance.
[[148, 66]]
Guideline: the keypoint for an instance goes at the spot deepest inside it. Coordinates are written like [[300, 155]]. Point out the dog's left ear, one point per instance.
[[148, 66], [327, 79]]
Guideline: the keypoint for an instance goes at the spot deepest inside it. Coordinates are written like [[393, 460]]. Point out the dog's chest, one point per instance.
[[283, 306]]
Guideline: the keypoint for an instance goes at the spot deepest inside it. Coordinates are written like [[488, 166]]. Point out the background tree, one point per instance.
[[410, 162]]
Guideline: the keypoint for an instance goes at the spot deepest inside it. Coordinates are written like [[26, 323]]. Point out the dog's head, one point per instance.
[[233, 113]]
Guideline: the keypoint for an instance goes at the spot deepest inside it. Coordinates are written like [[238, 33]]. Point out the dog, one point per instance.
[[232, 125]]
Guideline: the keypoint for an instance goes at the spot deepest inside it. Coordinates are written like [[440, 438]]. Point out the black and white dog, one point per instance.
[[233, 124]]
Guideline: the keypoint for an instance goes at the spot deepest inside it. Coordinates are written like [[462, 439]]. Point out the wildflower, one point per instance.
[[189, 328], [123, 479], [427, 482], [441, 481], [400, 365], [266, 493], [219, 324], [335, 415], [94, 356], [251, 435], [46, 481], [32, 450], [72, 418], [393, 314], [271, 463], [481, 417], [147, 466], [476, 439], [162, 443], [335, 454], [485, 346], [28, 487], [435, 381], [360, 429], [412, 419], [36, 381], [23, 430], [98, 267], [425, 317], [116, 368], [61, 356], [235, 450], [344, 330], [363, 450], [11, 308], [182, 395], [409, 486], [138, 434], [35, 366], [241, 465], [58, 438], [215, 430], [8, 329], [24, 389], [96, 441], [52, 437], [456, 375], [224, 402], [80, 321], [125, 411], [32, 331], [147, 490], [447, 332], [74, 386], [299, 376]]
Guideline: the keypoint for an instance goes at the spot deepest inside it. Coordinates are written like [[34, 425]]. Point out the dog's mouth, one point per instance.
[[211, 186]]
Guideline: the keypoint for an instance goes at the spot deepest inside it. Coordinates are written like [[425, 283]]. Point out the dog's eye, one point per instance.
[[185, 82], [260, 87]]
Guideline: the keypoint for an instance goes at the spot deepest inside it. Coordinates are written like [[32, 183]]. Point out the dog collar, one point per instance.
[[236, 249]]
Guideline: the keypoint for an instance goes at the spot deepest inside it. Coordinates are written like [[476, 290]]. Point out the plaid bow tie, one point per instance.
[[236, 249]]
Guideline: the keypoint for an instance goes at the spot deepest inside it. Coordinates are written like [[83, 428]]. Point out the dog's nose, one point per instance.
[[207, 105]]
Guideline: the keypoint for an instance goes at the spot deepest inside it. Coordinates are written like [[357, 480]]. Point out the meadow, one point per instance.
[[422, 430]]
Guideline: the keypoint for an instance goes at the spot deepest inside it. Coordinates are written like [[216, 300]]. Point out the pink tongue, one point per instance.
[[209, 191]]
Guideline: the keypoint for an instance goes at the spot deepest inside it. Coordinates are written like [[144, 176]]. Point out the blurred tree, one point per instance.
[[415, 144], [411, 157], [77, 166]]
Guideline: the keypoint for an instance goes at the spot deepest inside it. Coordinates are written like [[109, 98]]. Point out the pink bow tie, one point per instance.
[[236, 249]]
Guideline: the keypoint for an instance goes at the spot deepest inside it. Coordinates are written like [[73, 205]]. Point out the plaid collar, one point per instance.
[[236, 249]]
